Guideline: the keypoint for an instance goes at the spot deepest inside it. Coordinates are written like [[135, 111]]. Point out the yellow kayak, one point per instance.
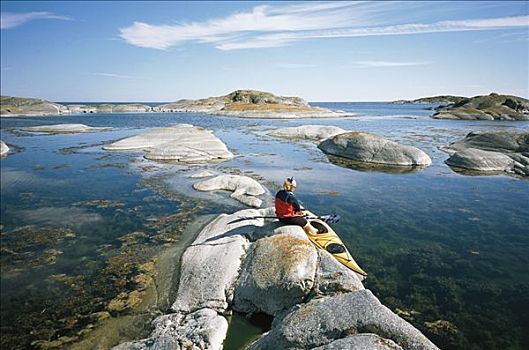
[[328, 240]]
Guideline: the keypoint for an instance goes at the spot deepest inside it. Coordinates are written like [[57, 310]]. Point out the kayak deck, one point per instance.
[[328, 240]]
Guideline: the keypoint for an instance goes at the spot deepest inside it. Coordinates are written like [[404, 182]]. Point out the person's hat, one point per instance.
[[292, 181]]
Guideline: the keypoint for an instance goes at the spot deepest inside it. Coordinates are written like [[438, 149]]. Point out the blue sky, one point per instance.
[[321, 51]]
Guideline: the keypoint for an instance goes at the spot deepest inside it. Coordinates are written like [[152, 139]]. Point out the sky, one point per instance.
[[101, 51]]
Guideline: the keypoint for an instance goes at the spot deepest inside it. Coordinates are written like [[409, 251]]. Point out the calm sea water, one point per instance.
[[446, 250]]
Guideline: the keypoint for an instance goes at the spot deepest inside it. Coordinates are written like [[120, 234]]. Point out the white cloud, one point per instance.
[[275, 26], [243, 26], [112, 75], [282, 39], [375, 64], [10, 20]]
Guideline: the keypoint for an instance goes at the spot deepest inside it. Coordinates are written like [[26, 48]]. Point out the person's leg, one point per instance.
[[300, 221]]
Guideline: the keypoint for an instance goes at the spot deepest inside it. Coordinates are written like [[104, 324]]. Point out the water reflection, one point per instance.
[[368, 167]]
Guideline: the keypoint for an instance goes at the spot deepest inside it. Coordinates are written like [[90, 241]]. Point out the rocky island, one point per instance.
[[239, 103], [441, 99], [251, 104], [23, 106], [490, 107], [491, 152], [257, 266]]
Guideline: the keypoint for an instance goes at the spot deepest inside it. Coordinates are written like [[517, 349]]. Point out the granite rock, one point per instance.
[[244, 188], [371, 148], [181, 142]]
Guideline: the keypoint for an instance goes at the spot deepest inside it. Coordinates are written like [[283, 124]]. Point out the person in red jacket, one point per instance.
[[288, 209]]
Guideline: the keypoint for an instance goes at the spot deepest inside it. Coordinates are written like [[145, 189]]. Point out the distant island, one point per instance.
[[490, 107], [260, 104], [442, 99], [239, 103]]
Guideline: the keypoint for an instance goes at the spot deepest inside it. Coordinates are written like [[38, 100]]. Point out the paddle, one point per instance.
[[330, 219]]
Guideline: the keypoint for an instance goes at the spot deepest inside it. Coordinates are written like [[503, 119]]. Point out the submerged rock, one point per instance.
[[491, 107], [64, 128], [491, 152], [202, 174], [308, 132], [181, 142], [244, 188], [3, 149], [371, 148]]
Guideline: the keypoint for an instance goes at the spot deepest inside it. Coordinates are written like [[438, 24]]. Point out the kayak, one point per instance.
[[329, 241]]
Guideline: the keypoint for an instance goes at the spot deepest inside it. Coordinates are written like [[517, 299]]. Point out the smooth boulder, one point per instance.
[[324, 320], [244, 188], [308, 132], [371, 148], [491, 152], [283, 265], [181, 142]]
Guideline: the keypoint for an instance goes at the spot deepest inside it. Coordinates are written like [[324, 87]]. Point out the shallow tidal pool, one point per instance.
[[84, 231]]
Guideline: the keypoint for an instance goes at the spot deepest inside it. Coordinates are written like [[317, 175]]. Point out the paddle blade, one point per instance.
[[331, 219]]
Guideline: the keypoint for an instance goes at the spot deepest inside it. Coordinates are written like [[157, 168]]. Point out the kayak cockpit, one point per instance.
[[322, 228]]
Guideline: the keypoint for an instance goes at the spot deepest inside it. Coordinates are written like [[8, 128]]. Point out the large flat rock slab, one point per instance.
[[370, 148], [182, 142], [491, 152], [64, 128], [210, 266], [308, 132], [244, 188], [322, 321]]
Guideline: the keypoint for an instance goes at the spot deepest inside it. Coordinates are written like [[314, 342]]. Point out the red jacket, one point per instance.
[[287, 204]]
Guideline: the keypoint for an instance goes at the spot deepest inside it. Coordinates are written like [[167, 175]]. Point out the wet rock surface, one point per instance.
[[491, 152], [370, 148]]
